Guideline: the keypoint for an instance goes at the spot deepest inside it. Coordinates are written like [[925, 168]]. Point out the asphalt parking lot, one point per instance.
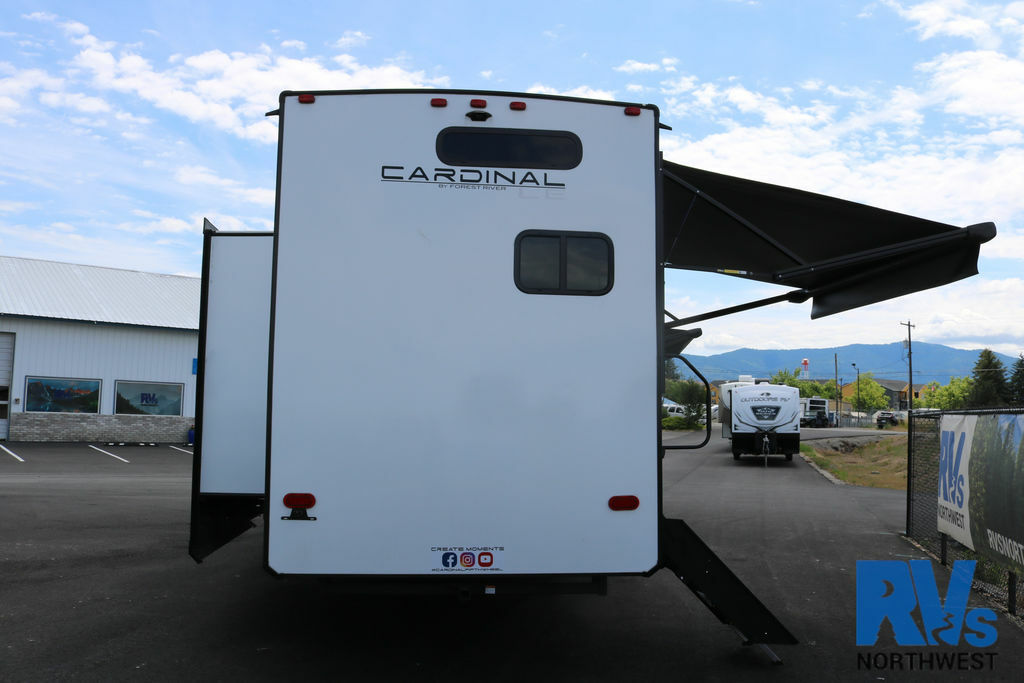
[[97, 585]]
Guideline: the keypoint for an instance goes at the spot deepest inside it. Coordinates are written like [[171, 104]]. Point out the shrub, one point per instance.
[[674, 423]]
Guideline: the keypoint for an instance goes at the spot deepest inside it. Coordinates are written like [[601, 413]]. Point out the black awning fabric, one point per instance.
[[842, 253]]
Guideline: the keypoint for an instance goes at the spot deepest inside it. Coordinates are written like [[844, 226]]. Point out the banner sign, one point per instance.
[[60, 395], [147, 398], [981, 485], [955, 439]]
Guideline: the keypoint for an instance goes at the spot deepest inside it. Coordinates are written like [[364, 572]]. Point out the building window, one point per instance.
[[147, 398], [563, 262], [60, 395], [510, 148]]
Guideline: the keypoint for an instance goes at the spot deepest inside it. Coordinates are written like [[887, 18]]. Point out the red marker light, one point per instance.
[[618, 503], [307, 98], [478, 104], [299, 500], [439, 102], [632, 111], [517, 106]]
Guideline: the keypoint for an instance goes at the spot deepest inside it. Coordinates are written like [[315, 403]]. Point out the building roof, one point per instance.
[[892, 384], [67, 291]]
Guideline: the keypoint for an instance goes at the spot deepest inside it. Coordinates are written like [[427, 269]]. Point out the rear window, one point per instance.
[[509, 148], [563, 262]]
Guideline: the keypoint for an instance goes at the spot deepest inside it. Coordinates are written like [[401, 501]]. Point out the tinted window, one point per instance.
[[539, 262], [563, 262], [586, 263], [509, 148]]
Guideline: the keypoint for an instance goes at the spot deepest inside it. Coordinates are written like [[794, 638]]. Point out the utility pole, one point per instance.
[[839, 395], [858, 392], [910, 423]]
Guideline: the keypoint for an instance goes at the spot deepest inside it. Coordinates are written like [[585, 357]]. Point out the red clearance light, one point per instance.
[[517, 106], [478, 104], [307, 98], [623, 503], [439, 102], [299, 500], [632, 111]]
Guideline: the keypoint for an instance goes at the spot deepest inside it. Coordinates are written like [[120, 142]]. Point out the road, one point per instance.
[[97, 585]]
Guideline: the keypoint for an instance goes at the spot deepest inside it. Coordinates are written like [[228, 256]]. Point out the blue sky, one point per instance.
[[124, 124]]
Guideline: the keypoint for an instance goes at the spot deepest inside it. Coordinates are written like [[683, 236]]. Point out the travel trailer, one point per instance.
[[765, 420], [480, 250]]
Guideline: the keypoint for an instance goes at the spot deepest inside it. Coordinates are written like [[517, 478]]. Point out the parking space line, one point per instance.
[[11, 453], [182, 450], [106, 453]]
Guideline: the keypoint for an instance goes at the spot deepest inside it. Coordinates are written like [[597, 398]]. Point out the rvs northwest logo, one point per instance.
[[905, 594], [468, 177]]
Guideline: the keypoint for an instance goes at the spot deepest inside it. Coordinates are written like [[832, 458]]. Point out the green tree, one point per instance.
[[689, 394], [807, 387], [671, 369], [1016, 384], [953, 396], [989, 377], [869, 395], [790, 379]]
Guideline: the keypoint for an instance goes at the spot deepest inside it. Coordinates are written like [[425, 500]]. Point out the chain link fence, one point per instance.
[[922, 508]]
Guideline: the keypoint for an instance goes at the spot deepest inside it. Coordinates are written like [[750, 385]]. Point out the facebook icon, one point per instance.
[[449, 560]]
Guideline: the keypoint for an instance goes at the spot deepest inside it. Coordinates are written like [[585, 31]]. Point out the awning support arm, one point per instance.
[[796, 296]]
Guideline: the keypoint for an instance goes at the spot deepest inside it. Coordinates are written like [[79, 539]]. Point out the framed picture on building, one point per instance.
[[147, 398], [62, 395]]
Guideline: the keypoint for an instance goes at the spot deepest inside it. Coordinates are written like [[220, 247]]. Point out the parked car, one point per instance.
[[674, 410], [884, 418], [818, 418]]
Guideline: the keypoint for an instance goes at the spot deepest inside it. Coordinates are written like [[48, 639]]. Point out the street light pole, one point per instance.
[[858, 391]]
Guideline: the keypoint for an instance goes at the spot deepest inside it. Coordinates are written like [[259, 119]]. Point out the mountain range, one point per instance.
[[932, 362]]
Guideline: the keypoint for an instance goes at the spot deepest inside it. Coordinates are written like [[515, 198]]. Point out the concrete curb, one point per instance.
[[827, 475]]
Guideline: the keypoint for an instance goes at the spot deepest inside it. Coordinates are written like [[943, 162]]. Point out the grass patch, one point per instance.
[[882, 464]]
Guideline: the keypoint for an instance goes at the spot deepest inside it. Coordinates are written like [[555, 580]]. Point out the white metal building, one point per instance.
[[95, 354]]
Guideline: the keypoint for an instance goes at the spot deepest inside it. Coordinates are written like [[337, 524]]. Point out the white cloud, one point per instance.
[[351, 39], [678, 86], [579, 91], [198, 175], [40, 16], [982, 84], [8, 106], [61, 242], [7, 206], [958, 18], [294, 44], [631, 66], [160, 224], [232, 91], [487, 74], [1008, 244], [83, 103]]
